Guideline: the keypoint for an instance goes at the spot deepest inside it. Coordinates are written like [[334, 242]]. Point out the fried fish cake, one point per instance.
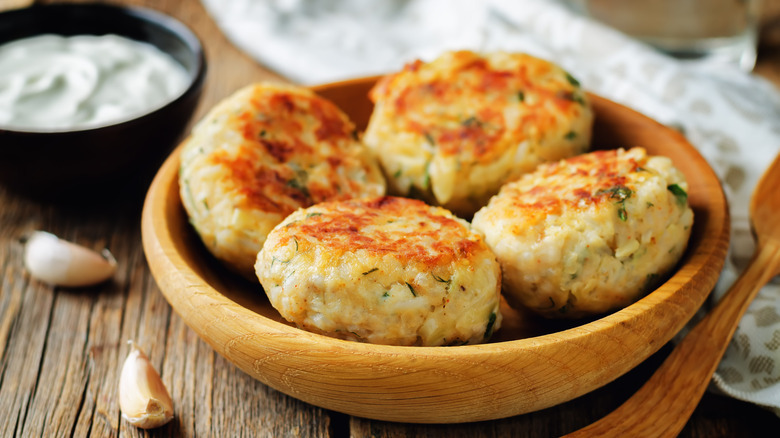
[[261, 154], [453, 130], [384, 270], [588, 234]]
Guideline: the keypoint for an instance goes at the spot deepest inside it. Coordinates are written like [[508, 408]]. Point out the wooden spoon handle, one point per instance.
[[662, 406]]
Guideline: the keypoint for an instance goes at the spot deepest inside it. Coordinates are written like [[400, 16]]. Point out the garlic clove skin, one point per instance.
[[62, 263], [143, 398]]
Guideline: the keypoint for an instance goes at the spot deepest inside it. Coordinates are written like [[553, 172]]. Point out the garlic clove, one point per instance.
[[62, 263], [143, 398]]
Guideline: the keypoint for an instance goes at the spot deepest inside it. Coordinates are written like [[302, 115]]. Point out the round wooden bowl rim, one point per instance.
[[187, 292]]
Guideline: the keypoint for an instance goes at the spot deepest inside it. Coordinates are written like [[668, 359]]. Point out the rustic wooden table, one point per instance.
[[61, 350]]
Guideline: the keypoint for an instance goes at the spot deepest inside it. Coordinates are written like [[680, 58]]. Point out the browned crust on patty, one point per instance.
[[485, 89], [279, 128], [432, 236], [576, 183]]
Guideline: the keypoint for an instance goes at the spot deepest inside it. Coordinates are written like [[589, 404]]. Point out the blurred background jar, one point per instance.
[[717, 31]]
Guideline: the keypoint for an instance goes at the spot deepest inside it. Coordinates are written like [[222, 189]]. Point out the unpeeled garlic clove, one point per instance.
[[62, 263], [143, 398]]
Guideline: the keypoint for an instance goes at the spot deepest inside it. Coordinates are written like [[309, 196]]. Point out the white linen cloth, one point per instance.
[[732, 117]]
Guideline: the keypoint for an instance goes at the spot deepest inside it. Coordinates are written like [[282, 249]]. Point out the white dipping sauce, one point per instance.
[[55, 82]]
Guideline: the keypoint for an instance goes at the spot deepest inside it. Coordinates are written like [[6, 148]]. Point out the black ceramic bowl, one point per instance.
[[72, 164]]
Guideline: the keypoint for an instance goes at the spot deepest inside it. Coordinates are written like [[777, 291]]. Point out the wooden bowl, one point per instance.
[[529, 365]]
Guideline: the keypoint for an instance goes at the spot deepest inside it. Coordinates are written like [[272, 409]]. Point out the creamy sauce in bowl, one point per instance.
[[53, 82]]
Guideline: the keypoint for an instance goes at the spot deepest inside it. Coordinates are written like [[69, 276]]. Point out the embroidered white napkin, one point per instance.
[[732, 117]]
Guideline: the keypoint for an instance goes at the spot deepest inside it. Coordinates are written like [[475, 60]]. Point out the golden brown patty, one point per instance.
[[588, 234], [455, 129], [383, 270], [259, 155]]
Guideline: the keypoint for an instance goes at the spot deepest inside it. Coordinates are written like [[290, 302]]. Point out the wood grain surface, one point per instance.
[[61, 350]]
